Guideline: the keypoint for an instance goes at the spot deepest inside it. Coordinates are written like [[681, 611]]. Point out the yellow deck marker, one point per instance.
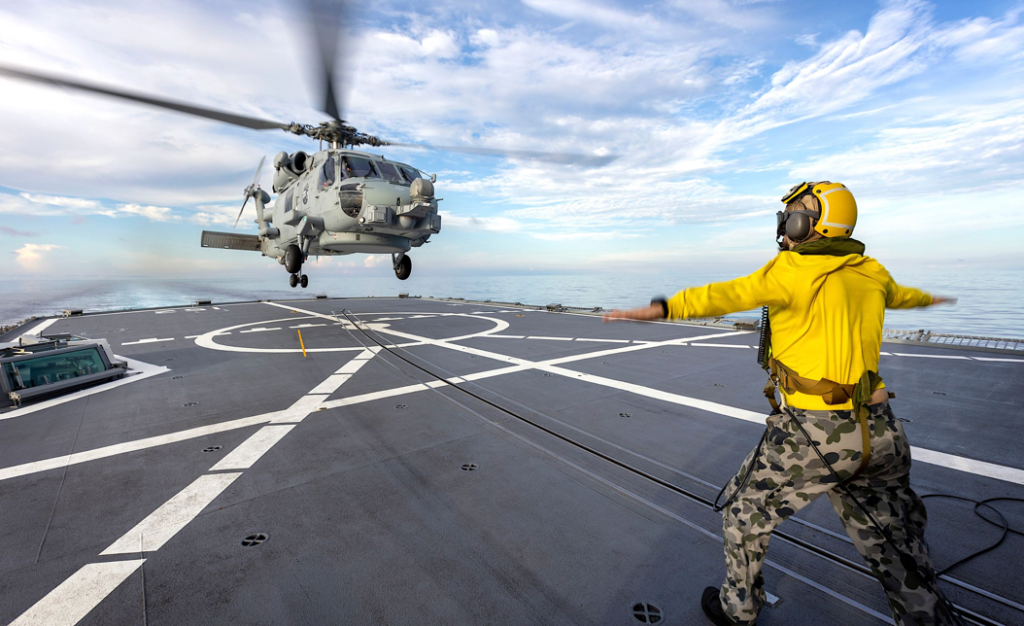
[[302, 344]]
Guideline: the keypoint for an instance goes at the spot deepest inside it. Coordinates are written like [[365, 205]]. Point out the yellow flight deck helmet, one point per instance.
[[830, 205]]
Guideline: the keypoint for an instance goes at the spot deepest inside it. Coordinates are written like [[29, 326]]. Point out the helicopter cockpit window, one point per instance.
[[390, 173], [358, 167], [409, 174], [328, 174]]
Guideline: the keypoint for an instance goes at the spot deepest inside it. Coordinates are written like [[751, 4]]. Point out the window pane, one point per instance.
[[410, 174], [49, 369], [390, 172], [358, 167]]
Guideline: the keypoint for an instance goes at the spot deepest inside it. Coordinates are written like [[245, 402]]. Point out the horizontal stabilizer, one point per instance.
[[230, 241]]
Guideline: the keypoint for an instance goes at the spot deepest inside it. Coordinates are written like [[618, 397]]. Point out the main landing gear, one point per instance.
[[293, 263], [402, 265]]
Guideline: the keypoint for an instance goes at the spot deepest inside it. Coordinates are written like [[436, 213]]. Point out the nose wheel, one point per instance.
[[295, 280]]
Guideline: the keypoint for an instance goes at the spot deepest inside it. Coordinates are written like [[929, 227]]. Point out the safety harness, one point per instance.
[[831, 392]]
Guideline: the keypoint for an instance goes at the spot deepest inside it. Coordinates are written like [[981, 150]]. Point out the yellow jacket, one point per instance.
[[826, 313]]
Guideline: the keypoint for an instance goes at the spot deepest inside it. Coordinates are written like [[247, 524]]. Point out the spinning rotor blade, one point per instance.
[[213, 114], [548, 157], [326, 21], [259, 168], [251, 189]]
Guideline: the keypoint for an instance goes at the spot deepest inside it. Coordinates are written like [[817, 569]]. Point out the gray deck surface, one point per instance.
[[371, 519]]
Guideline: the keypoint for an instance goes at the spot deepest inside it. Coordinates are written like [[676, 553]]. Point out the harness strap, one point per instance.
[[830, 392]]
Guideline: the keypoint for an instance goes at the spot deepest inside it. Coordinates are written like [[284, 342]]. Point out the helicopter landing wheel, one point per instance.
[[293, 259], [293, 280], [404, 268], [304, 280]]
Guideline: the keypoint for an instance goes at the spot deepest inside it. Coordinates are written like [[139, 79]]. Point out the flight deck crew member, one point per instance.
[[826, 304]]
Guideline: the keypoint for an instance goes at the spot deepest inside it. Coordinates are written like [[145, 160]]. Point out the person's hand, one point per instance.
[[647, 313], [942, 300]]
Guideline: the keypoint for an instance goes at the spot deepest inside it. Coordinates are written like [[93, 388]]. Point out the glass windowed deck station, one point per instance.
[[34, 367]]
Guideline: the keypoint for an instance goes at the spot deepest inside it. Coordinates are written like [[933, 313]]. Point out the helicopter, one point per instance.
[[335, 201]]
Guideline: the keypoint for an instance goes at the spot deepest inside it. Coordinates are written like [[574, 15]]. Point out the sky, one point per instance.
[[714, 108]]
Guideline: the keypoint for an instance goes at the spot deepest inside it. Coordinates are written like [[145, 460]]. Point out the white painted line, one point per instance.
[[550, 338], [72, 600], [132, 446], [634, 348], [704, 405], [206, 340], [333, 382], [40, 327], [250, 450], [165, 522], [195, 310], [259, 330], [420, 317], [933, 356], [192, 336], [164, 311], [506, 336], [642, 341], [145, 370], [603, 340], [217, 308], [306, 326], [152, 340], [885, 353], [971, 466], [984, 358], [718, 345]]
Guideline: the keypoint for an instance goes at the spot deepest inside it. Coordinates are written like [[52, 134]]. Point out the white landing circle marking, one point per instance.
[[207, 341]]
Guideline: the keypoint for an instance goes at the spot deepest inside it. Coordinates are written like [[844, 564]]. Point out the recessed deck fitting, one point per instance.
[[254, 540], [647, 613]]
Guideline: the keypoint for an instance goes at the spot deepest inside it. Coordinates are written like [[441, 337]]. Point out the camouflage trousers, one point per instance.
[[788, 475]]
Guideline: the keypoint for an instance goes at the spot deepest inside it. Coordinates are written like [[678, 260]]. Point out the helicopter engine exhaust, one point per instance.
[[298, 162]]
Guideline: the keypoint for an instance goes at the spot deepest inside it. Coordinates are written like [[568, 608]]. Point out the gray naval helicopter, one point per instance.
[[336, 201]]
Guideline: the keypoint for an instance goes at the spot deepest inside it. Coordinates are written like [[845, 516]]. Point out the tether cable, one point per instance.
[[795, 541]]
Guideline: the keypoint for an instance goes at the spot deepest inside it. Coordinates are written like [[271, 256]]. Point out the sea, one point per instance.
[[991, 304]]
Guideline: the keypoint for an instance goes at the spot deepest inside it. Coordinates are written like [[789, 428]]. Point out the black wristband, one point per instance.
[[664, 305]]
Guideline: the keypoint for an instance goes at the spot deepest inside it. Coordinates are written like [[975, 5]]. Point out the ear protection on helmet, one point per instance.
[[837, 219], [796, 225]]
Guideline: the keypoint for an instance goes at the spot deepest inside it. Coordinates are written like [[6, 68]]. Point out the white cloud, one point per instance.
[[155, 213], [71, 203], [31, 255], [495, 223]]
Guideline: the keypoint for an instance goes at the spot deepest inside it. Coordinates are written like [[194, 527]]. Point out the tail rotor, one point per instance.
[[251, 190]]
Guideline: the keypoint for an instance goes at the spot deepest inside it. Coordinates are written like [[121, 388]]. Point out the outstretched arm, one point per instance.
[[646, 314], [899, 297], [741, 294]]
